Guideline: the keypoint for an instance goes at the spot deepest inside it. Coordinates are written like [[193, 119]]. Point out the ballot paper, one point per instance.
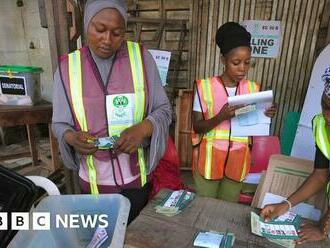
[[282, 231], [99, 237], [285, 227], [288, 243], [250, 120], [104, 143], [211, 239], [175, 202]]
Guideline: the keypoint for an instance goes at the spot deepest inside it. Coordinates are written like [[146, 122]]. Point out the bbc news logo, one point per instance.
[[43, 221]]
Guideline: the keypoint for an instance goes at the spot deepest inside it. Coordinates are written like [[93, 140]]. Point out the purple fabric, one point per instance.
[[105, 189]]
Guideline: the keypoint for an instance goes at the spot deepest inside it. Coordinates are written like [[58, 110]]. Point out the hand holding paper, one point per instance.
[[251, 120]]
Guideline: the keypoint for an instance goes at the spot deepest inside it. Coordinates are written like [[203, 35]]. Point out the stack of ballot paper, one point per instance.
[[213, 239], [282, 231], [104, 143], [175, 202]]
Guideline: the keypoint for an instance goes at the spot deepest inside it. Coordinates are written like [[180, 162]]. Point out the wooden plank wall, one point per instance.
[[288, 75], [169, 9]]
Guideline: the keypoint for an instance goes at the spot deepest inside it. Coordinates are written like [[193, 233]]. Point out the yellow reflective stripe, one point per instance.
[[115, 130], [79, 111], [224, 134], [321, 135], [143, 172], [208, 96], [244, 166], [92, 175], [240, 139], [76, 89], [251, 86], [138, 79], [139, 97], [221, 137], [208, 99], [208, 159]]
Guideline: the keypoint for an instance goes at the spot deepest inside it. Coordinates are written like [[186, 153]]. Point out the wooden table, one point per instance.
[[29, 116], [152, 230]]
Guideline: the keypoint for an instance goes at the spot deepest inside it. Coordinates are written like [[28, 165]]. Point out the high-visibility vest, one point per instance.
[[214, 155], [75, 81], [321, 137]]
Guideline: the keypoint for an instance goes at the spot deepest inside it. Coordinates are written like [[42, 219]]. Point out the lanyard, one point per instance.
[[103, 85]]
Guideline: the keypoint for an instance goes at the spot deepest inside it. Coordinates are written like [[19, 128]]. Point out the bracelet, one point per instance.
[[288, 202]]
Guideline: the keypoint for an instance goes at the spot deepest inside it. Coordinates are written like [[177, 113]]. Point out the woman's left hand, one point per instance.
[[131, 138], [270, 112]]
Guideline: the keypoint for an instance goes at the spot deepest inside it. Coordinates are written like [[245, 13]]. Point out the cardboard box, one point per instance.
[[284, 176]]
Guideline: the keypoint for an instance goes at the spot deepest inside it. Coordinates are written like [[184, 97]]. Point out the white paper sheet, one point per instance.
[[253, 178], [259, 97], [307, 211], [254, 123], [208, 240]]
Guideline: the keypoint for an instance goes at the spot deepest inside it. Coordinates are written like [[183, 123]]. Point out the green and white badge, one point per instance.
[[120, 109]]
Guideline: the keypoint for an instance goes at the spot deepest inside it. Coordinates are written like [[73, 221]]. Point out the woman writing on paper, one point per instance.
[[220, 161], [318, 180]]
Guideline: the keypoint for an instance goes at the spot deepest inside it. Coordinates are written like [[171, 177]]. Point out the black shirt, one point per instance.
[[320, 161]]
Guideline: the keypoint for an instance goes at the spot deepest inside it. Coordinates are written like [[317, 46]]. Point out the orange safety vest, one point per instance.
[[215, 154]]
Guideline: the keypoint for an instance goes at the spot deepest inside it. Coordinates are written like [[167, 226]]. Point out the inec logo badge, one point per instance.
[[120, 101]]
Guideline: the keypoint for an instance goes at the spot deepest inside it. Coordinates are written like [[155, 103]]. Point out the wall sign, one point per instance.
[[162, 59], [266, 37]]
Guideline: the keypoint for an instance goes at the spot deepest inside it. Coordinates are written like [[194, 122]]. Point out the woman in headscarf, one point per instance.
[[221, 161], [318, 180], [110, 88]]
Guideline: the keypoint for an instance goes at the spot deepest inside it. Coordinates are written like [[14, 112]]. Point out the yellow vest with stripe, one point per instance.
[[321, 137]]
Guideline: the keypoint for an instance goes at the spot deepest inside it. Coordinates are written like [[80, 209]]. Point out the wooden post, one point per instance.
[[323, 38], [53, 149], [32, 144], [58, 31]]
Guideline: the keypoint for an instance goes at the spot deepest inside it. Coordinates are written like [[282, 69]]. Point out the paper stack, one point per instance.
[[175, 202], [282, 231], [212, 239]]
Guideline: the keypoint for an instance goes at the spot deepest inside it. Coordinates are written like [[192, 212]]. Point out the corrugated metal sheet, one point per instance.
[[288, 75]]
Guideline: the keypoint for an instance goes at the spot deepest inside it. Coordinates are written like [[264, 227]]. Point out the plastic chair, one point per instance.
[[263, 147], [46, 184]]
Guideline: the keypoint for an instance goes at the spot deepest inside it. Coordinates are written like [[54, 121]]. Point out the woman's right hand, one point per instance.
[[227, 112], [272, 211], [78, 140]]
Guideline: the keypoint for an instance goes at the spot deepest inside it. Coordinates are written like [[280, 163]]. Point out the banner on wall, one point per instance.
[[162, 59], [265, 37]]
